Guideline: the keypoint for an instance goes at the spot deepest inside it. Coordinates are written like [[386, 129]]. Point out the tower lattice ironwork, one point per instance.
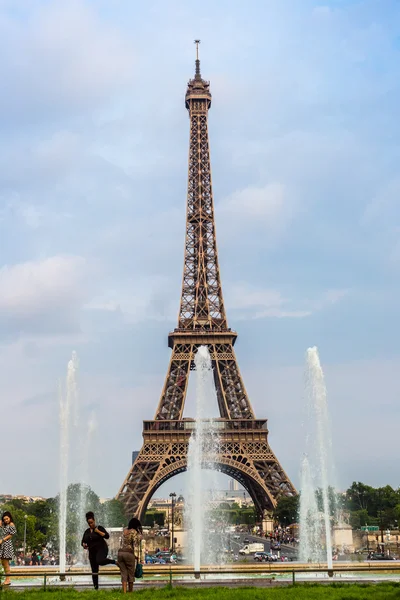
[[245, 453]]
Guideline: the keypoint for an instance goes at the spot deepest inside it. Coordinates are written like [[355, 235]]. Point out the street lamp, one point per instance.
[[381, 525], [25, 517], [172, 496], [367, 531]]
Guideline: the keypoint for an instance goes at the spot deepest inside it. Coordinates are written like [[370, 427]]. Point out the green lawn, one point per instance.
[[382, 591]]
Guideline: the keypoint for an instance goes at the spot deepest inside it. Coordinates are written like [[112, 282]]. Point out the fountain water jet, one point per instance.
[[310, 523], [322, 455], [68, 399], [202, 451]]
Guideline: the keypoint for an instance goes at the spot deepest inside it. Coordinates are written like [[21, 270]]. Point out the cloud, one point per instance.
[[249, 302], [38, 400], [329, 297], [43, 296], [258, 215], [268, 207], [140, 299], [261, 203], [72, 60], [384, 207], [322, 11]]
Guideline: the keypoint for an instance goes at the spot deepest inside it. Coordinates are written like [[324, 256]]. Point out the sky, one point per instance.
[[304, 132]]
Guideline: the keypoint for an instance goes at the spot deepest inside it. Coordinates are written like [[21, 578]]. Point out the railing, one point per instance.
[[268, 569], [189, 424]]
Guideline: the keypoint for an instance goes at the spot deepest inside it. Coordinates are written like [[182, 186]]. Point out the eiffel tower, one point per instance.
[[245, 454]]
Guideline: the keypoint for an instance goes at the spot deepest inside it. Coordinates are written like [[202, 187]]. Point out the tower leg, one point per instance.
[[267, 522]]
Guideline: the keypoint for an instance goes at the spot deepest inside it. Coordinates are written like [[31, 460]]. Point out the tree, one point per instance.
[[42, 516], [247, 516], [34, 537], [372, 506], [334, 501], [46, 514], [360, 497], [113, 514], [287, 510], [154, 517], [397, 513], [359, 518]]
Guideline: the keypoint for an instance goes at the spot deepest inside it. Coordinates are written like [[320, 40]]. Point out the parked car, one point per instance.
[[163, 554], [292, 557], [163, 557], [378, 556], [261, 556]]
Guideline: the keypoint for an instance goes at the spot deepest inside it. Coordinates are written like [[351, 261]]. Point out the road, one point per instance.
[[235, 545]]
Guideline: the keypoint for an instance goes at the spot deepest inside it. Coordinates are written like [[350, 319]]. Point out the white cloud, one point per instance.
[[330, 297], [250, 302], [71, 59], [384, 207], [62, 149], [143, 298], [44, 294], [260, 215], [34, 216], [322, 11], [264, 204], [253, 303]]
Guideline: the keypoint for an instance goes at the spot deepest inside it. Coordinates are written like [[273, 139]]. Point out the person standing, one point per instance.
[[94, 540], [6, 545], [129, 552]]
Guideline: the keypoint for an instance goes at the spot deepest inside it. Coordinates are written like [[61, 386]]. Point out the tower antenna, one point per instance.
[[197, 75], [197, 42]]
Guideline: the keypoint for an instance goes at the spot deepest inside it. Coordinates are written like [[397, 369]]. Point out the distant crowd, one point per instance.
[[282, 536], [38, 558]]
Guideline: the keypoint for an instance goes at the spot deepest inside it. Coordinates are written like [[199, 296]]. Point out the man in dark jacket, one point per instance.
[[94, 540]]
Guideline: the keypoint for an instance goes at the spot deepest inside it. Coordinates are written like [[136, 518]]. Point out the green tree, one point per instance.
[[46, 514], [397, 513], [287, 510], [359, 518], [372, 506], [360, 497], [80, 499], [34, 537], [42, 518], [113, 514], [154, 517], [334, 500], [247, 516]]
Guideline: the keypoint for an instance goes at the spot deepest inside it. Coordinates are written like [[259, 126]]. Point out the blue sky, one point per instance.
[[304, 132]]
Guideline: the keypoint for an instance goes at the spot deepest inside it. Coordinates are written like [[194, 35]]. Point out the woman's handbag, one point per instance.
[[138, 571], [139, 567]]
